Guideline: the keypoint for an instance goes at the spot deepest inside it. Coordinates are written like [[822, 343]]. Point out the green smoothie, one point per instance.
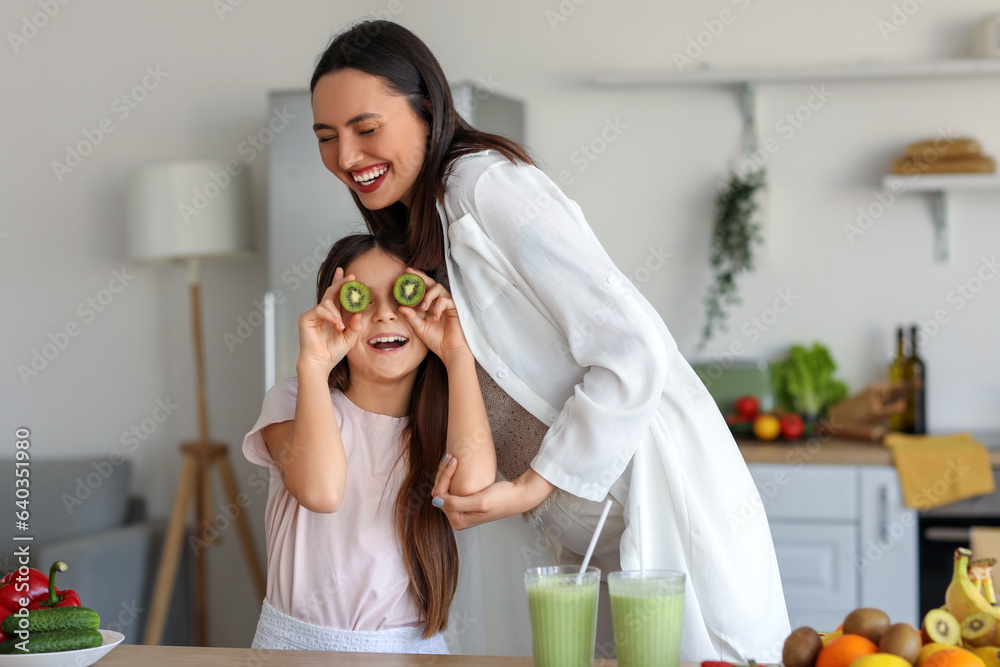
[[563, 609], [647, 615]]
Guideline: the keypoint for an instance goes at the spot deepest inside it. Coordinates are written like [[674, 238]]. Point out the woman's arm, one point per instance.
[[469, 440], [308, 450]]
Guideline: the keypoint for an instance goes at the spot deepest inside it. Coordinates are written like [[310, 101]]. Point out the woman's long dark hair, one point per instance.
[[393, 53], [426, 537]]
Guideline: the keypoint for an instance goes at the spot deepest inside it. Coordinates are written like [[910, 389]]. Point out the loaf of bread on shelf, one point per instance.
[[931, 150], [970, 165]]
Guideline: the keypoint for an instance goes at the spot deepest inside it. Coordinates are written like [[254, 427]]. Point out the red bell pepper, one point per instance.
[[36, 589]]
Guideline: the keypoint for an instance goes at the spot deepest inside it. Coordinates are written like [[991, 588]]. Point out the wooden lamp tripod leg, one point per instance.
[[170, 558]]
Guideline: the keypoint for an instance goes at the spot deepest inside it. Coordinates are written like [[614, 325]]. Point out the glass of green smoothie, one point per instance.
[[563, 607], [647, 608]]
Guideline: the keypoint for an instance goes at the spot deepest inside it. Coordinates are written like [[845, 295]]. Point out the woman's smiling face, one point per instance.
[[370, 138]]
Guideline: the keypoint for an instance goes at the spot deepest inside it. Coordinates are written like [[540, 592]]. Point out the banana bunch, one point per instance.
[[971, 599]]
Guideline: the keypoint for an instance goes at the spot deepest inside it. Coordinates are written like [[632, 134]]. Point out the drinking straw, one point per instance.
[[593, 542], [638, 530]]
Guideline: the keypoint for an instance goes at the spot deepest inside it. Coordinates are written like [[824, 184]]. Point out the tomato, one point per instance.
[[747, 407], [792, 426]]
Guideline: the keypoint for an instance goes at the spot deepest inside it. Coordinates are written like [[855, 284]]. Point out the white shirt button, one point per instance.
[[612, 280], [501, 374], [465, 315], [552, 418]]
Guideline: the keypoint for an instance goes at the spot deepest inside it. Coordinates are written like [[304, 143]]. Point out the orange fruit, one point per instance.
[[844, 650], [830, 636], [953, 657], [930, 648]]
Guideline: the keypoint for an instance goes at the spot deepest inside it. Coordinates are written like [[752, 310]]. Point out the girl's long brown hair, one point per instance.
[[407, 67], [426, 537]]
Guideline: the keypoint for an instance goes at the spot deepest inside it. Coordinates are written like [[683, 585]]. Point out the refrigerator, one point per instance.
[[308, 210]]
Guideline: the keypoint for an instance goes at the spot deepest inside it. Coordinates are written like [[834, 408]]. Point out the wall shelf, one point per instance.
[[951, 67], [939, 186], [746, 81]]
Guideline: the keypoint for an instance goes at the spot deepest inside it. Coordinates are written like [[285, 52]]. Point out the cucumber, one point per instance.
[[58, 618], [55, 640]]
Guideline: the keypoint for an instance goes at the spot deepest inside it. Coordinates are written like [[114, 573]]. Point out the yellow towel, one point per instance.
[[938, 470]]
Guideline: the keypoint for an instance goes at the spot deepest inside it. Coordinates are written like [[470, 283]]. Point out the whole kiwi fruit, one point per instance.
[[902, 639], [867, 622], [801, 648]]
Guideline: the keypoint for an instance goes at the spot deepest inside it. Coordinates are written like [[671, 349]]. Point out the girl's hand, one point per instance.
[[435, 320], [324, 338]]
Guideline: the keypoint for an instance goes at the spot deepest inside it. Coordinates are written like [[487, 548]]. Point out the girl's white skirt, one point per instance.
[[277, 630]]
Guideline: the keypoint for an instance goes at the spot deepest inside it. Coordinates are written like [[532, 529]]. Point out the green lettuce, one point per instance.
[[804, 381]]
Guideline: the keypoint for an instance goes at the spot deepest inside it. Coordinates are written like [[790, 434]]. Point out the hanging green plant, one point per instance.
[[733, 236]]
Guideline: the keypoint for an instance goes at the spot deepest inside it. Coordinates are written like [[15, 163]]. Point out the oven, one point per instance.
[[944, 529]]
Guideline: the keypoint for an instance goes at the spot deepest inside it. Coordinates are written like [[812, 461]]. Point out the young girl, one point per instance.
[[357, 557]]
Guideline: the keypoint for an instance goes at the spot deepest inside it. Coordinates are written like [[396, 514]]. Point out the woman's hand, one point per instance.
[[435, 320], [497, 501], [324, 338]]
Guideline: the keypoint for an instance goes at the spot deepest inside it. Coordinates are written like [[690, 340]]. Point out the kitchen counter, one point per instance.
[[835, 451], [129, 655]]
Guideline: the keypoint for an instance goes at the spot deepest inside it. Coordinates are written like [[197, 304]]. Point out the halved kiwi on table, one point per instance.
[[355, 296], [409, 289]]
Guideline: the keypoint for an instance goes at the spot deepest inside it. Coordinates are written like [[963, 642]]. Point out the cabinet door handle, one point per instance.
[[883, 502], [269, 342]]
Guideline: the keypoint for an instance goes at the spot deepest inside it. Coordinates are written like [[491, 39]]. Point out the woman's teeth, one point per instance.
[[369, 177]]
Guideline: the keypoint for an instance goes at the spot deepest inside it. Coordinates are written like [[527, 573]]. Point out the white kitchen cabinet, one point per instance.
[[843, 539]]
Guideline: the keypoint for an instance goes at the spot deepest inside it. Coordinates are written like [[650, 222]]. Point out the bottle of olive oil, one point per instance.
[[897, 373], [916, 371]]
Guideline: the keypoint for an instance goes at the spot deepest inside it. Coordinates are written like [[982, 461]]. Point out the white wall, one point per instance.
[[61, 242]]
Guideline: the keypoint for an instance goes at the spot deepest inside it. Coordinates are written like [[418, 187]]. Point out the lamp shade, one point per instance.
[[189, 210]]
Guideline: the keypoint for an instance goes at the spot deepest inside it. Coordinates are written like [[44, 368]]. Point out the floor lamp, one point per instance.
[[193, 212]]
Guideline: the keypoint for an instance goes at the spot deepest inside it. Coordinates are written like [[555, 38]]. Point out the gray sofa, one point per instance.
[[81, 512]]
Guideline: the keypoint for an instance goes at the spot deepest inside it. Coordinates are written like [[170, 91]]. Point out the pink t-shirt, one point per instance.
[[343, 570]]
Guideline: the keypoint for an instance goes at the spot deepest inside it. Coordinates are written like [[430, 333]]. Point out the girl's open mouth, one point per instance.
[[388, 343], [370, 178]]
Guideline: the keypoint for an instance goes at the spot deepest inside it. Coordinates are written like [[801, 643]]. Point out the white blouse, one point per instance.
[[562, 331]]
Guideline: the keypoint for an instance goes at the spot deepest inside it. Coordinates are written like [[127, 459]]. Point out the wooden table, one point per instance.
[[132, 655]]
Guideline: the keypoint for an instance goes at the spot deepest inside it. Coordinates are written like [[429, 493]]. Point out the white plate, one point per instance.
[[79, 658]]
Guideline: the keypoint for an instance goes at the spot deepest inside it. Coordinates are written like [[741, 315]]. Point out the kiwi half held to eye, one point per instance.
[[355, 296], [409, 289]]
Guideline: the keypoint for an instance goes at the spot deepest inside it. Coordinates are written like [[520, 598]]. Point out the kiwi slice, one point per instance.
[[979, 629], [355, 296], [902, 639], [942, 628], [867, 622], [409, 289], [801, 648]]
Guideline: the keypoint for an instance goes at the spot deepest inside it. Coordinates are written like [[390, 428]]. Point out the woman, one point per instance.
[[588, 396]]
